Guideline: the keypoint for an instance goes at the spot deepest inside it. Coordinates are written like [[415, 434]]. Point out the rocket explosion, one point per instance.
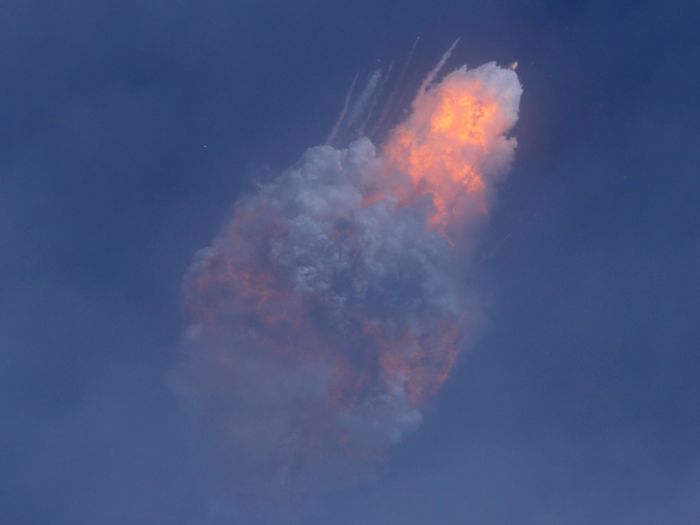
[[329, 310]]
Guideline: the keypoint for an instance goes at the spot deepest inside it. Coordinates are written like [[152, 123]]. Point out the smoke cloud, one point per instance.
[[332, 306]]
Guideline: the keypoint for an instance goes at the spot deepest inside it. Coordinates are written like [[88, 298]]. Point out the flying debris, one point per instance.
[[332, 306]]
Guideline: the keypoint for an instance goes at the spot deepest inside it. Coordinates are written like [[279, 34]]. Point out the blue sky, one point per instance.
[[127, 132]]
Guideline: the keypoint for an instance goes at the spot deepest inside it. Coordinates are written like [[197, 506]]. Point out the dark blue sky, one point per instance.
[[127, 131]]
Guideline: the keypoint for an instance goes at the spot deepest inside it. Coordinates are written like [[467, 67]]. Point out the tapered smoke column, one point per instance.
[[329, 310]]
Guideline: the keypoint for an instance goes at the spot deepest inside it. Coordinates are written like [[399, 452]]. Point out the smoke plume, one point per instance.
[[332, 306]]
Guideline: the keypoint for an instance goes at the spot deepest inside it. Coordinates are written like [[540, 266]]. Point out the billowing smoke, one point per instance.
[[333, 305]]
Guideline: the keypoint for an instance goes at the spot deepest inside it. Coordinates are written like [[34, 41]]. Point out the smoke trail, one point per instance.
[[375, 98], [330, 309], [365, 97], [389, 107], [344, 111], [431, 76]]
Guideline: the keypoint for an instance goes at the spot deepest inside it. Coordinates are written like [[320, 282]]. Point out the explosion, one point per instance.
[[331, 307]]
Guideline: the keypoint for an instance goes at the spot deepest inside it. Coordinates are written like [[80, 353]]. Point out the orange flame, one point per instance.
[[445, 145]]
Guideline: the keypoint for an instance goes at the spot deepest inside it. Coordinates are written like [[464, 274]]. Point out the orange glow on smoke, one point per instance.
[[437, 147]]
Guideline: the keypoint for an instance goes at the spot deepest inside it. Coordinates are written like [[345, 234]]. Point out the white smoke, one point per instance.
[[317, 324]]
